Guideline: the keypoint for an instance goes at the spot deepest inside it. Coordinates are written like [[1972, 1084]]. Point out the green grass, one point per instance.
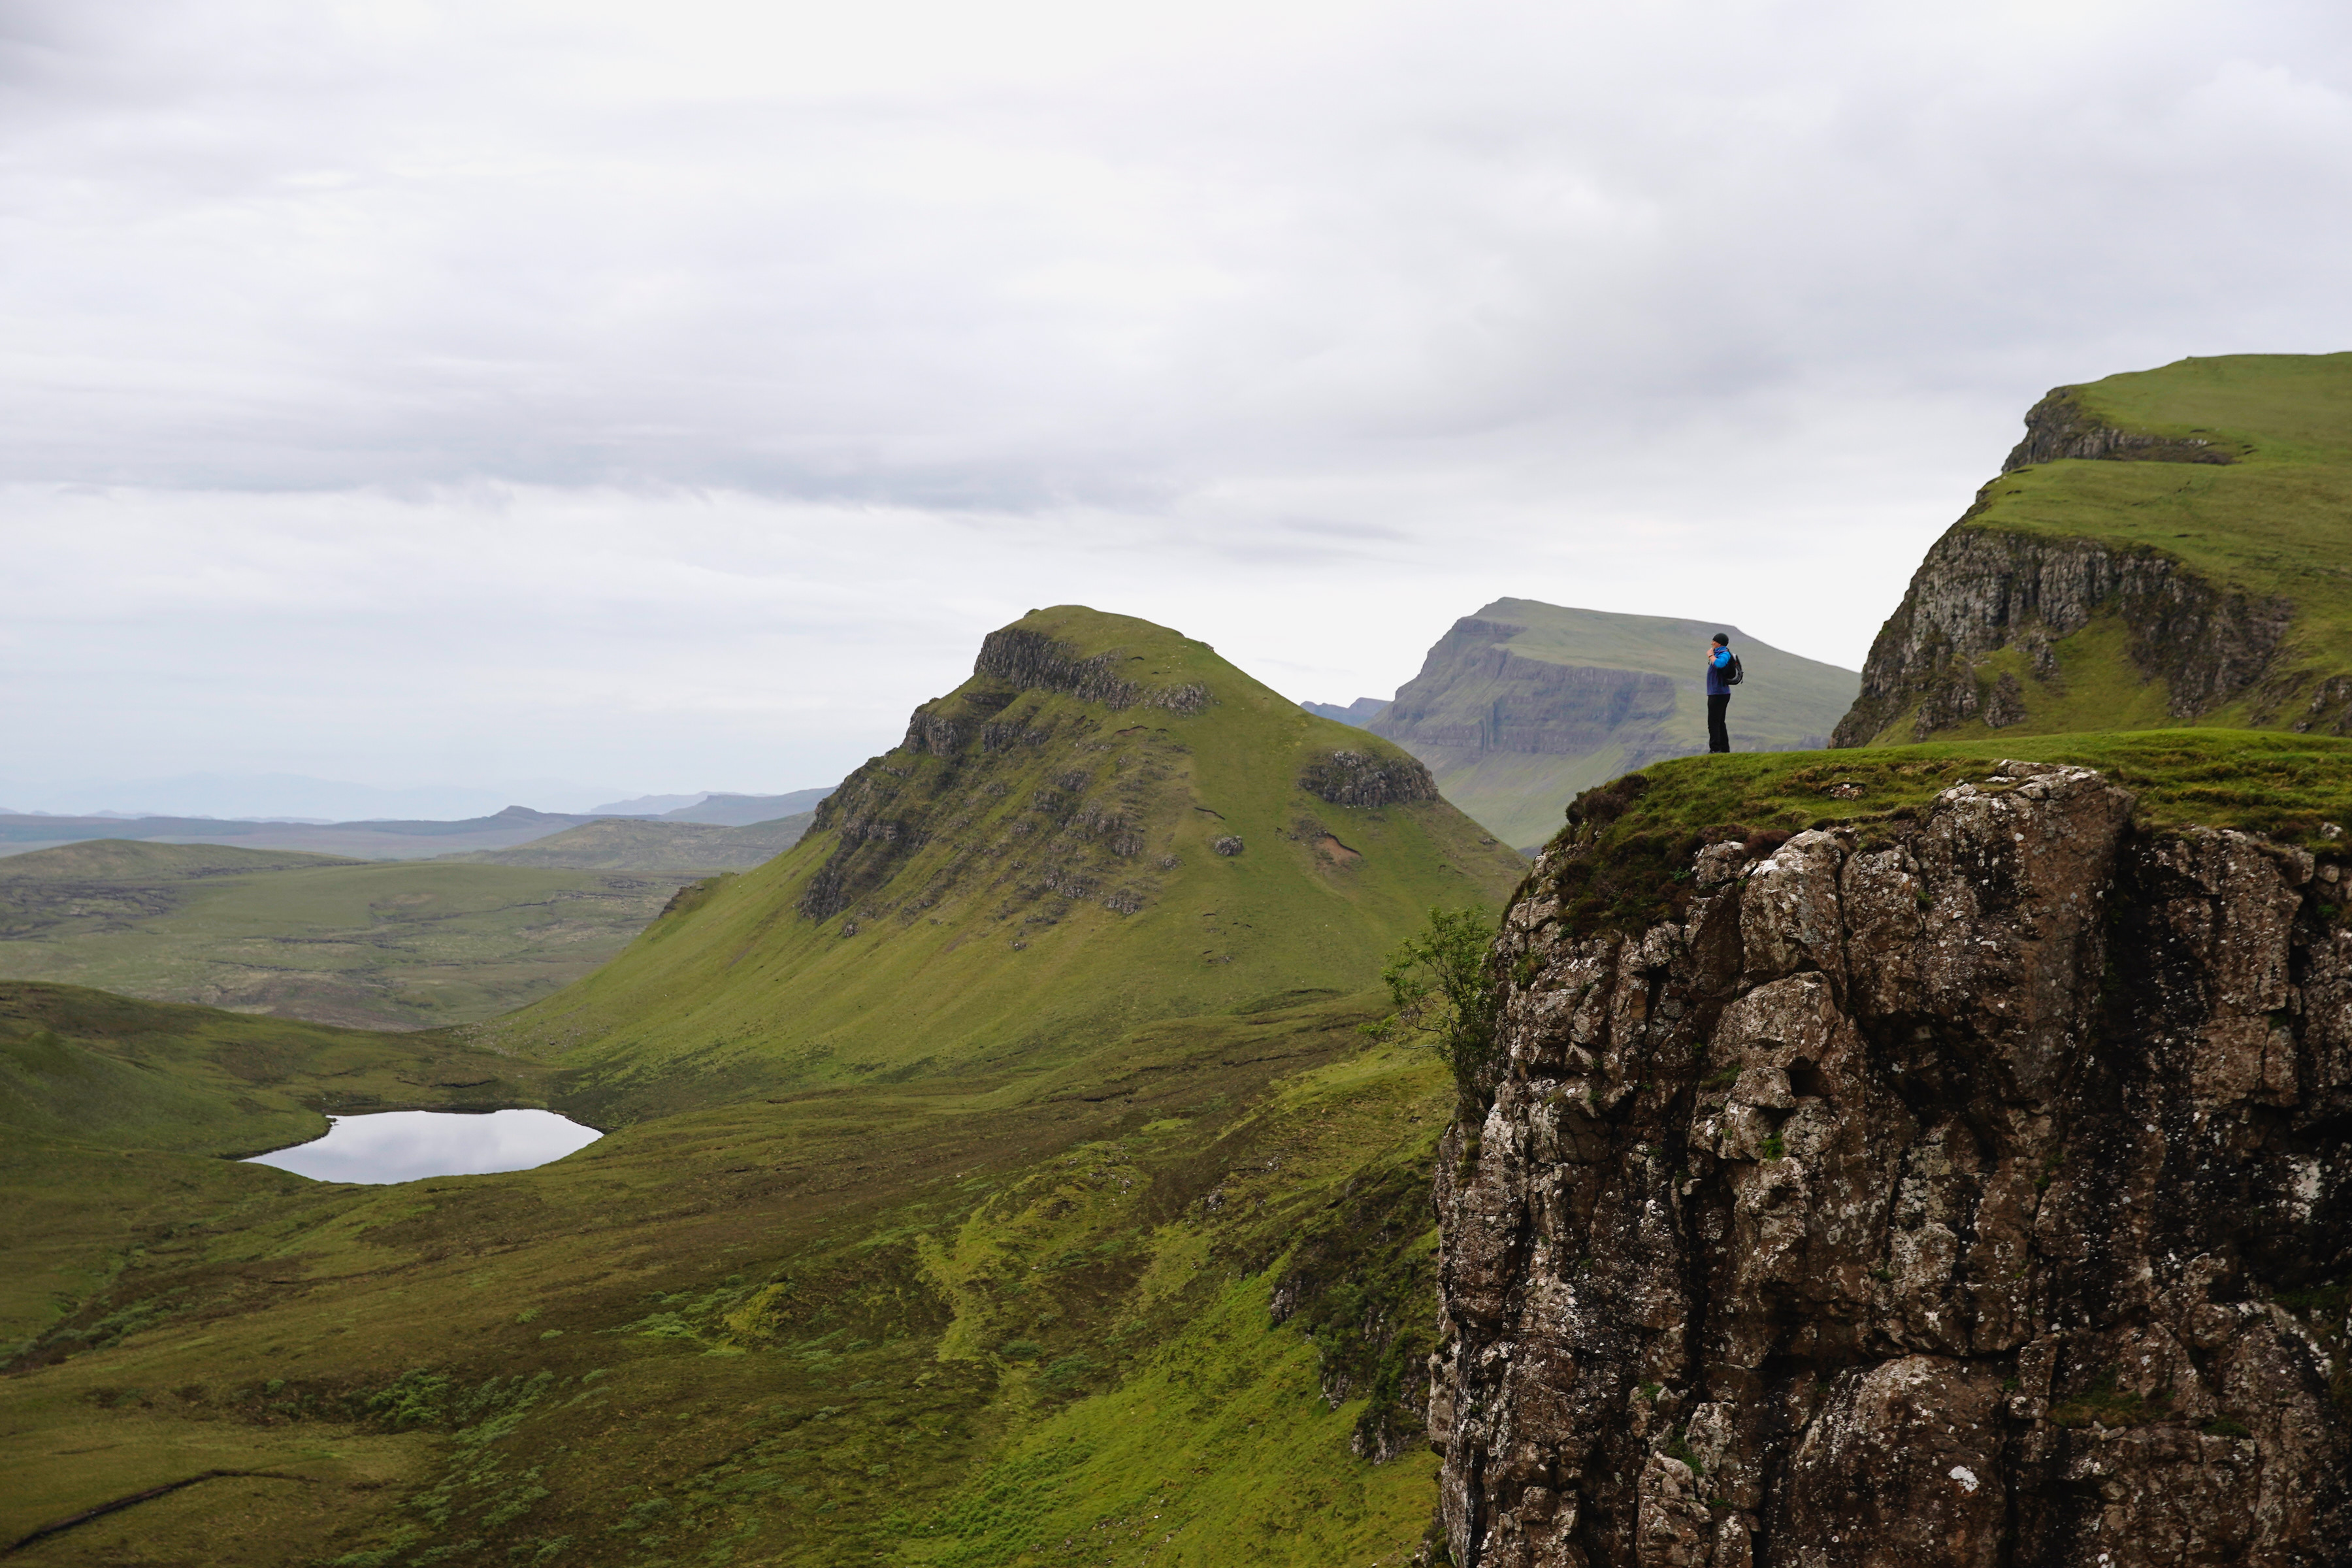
[[2277, 522], [402, 945], [1637, 835], [111, 1106]]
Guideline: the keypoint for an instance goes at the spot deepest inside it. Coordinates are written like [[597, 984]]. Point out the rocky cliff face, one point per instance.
[[1983, 589], [1531, 705], [1967, 1190]]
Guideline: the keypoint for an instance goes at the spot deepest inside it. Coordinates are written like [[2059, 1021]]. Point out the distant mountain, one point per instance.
[[1524, 704], [722, 810], [385, 840], [1360, 713], [625, 844], [648, 805], [285, 797]]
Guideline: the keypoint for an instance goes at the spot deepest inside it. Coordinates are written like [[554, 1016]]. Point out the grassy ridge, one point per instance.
[[366, 944]]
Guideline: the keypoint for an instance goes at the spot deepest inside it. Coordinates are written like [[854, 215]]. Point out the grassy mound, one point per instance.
[[623, 844], [116, 860]]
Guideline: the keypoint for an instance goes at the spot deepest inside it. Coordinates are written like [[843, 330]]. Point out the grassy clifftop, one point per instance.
[[2168, 547], [2276, 519], [1637, 833], [1107, 825]]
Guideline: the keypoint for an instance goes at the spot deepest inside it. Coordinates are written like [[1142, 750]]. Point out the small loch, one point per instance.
[[408, 1145]]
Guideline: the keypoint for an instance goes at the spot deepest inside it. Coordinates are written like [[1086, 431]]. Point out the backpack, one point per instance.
[[1732, 674]]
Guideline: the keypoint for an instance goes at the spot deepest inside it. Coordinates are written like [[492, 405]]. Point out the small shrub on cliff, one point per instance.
[[1447, 993]]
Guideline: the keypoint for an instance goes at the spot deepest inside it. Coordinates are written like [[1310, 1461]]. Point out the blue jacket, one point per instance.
[[1717, 663]]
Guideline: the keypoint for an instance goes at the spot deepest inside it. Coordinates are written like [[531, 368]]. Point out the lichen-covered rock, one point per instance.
[[1367, 778], [1970, 1190]]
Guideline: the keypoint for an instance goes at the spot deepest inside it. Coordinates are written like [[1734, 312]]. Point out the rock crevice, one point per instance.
[[1967, 1190]]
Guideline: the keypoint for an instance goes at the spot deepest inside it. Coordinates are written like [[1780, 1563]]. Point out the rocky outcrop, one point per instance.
[[1970, 1190], [1367, 778], [2060, 426], [1982, 589], [1037, 662]]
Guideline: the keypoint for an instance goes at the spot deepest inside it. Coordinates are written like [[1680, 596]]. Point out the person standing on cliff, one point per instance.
[[1718, 692]]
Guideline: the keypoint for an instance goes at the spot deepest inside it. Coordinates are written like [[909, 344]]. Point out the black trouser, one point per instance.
[[1718, 739]]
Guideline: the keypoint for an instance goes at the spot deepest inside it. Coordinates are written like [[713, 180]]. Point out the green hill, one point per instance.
[[1107, 825], [2165, 548], [621, 843], [1522, 705], [370, 944], [1001, 1170]]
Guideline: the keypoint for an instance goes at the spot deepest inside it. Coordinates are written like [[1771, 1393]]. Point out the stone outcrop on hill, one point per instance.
[[1970, 1190], [1367, 778], [1981, 589], [1034, 661]]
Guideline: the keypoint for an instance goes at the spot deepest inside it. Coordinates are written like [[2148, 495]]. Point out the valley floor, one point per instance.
[[1168, 1302]]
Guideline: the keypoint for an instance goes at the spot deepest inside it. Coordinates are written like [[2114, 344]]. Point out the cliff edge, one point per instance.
[[1967, 1187]]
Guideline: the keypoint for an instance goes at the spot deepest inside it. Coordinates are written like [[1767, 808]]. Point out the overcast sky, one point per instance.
[[614, 398]]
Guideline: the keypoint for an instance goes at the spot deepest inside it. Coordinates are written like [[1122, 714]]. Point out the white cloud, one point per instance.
[[669, 396]]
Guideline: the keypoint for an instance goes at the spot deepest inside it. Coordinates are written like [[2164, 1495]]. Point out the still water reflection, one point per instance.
[[404, 1145]]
